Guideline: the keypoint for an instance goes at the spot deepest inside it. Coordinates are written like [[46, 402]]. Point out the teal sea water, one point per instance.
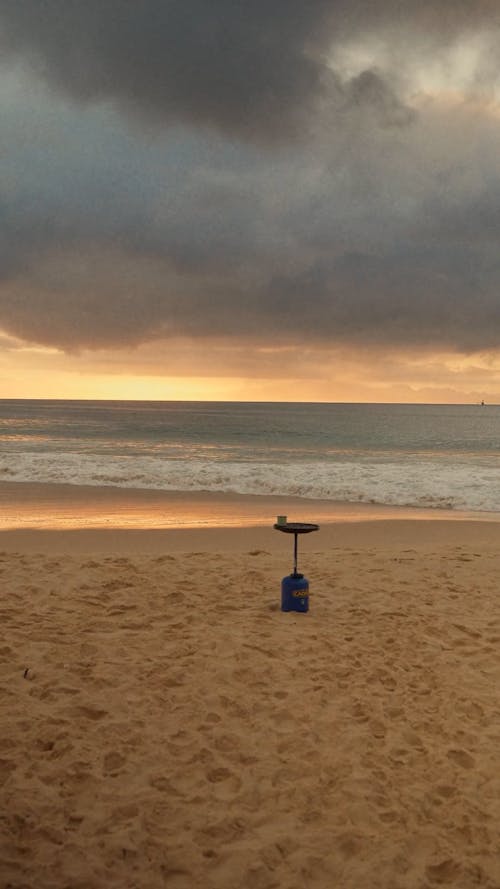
[[441, 456]]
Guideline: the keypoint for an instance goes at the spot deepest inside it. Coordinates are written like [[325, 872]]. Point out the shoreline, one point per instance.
[[78, 519], [35, 505], [383, 536]]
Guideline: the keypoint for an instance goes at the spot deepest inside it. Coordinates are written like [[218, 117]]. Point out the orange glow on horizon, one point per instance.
[[247, 372]]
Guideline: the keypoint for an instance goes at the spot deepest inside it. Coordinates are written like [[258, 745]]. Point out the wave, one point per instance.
[[429, 483]]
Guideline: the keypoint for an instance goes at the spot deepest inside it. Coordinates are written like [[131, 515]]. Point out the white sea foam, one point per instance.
[[430, 483]]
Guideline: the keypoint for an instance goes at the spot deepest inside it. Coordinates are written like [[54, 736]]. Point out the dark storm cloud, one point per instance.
[[370, 91], [253, 69], [410, 297], [238, 66], [375, 226]]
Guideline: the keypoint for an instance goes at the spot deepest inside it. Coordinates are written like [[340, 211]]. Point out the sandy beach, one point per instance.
[[164, 724]]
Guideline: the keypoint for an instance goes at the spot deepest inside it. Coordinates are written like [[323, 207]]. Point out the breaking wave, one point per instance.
[[416, 482]]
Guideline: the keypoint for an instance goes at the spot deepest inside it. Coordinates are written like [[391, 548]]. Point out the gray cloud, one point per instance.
[[240, 67], [255, 69], [369, 90], [272, 197]]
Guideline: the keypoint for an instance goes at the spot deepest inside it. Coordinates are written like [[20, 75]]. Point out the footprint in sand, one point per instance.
[[113, 763], [472, 633], [225, 782], [112, 586], [176, 878], [461, 758], [227, 743], [359, 712], [227, 830], [378, 729], [220, 774], [7, 766], [444, 872], [92, 713], [446, 790]]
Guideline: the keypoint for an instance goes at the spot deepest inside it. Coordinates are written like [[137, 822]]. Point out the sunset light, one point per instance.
[[250, 284], [324, 235]]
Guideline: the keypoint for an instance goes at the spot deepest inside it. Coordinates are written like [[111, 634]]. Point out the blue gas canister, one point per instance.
[[295, 593], [294, 587]]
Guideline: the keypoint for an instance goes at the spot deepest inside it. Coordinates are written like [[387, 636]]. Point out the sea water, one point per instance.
[[432, 456]]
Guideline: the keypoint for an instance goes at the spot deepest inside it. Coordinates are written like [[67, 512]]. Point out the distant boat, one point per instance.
[[482, 404]]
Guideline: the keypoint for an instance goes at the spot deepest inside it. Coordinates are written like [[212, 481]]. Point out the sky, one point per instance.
[[278, 200]]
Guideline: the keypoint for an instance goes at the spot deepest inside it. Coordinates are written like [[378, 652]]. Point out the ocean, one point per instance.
[[429, 456]]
